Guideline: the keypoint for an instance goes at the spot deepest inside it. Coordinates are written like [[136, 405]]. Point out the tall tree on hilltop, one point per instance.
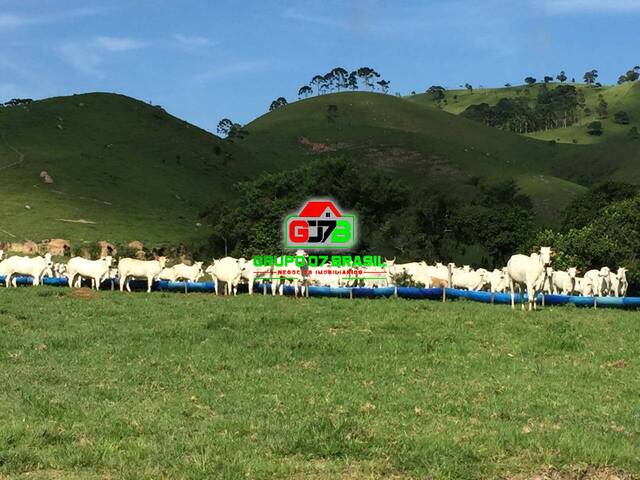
[[339, 75], [225, 126], [305, 91], [328, 81], [561, 77], [277, 103], [530, 80], [590, 77], [318, 80], [384, 85], [352, 80], [368, 74]]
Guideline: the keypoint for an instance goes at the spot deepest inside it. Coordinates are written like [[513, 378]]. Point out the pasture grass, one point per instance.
[[165, 385]]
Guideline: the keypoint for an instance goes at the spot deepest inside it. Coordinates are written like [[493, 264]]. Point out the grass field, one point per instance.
[[136, 386]]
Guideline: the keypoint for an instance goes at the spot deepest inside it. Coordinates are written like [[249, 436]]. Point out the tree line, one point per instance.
[[553, 108]]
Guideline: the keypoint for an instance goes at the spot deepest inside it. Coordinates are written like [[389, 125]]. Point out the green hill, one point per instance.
[[423, 144], [121, 170], [125, 170], [625, 97]]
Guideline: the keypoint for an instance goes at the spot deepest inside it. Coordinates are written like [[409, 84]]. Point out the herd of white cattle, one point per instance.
[[530, 274]]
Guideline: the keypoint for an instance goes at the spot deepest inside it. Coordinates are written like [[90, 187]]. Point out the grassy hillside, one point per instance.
[[125, 170], [105, 385], [625, 97], [423, 144], [128, 168]]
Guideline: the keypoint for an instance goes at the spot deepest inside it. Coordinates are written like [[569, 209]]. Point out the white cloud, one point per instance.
[[559, 7], [86, 57], [232, 69], [193, 41], [118, 44]]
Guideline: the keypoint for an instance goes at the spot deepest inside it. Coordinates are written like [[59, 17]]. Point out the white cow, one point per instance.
[[251, 273], [583, 287], [600, 281], [143, 269], [323, 276], [564, 282], [468, 279], [411, 269], [547, 286], [497, 280], [95, 270], [374, 277], [189, 273], [167, 273], [35, 267], [59, 270], [619, 283], [528, 271], [227, 270]]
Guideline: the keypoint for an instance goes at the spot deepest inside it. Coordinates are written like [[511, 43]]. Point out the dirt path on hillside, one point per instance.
[[18, 152]]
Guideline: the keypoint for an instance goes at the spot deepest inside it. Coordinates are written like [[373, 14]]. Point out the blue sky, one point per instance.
[[205, 60]]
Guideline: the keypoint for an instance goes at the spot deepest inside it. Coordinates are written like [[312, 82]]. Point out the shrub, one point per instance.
[[595, 128], [622, 118]]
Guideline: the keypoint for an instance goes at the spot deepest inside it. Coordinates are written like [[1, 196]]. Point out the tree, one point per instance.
[[631, 76], [610, 238], [507, 85], [468, 87], [367, 74], [530, 80], [224, 126], [352, 80], [327, 82], [436, 93], [231, 130], [590, 77], [318, 80], [595, 129], [622, 118], [384, 85], [305, 91], [602, 107], [561, 77], [584, 208], [277, 103], [340, 76], [548, 79]]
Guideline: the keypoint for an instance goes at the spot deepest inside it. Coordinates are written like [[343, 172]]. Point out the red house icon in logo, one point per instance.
[[320, 208]]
